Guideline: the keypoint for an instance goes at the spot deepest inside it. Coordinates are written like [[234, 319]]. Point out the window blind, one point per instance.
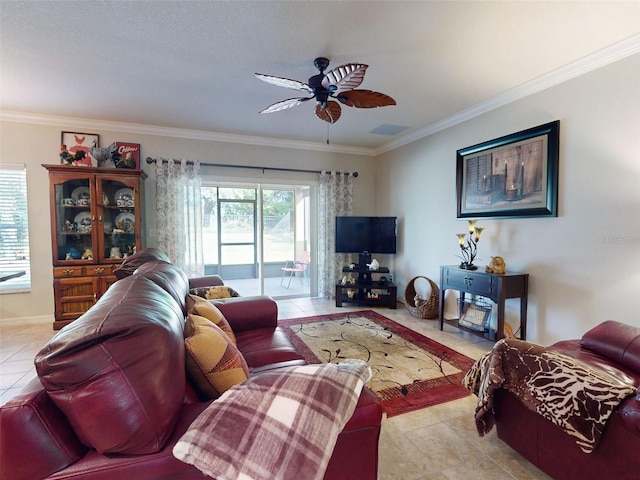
[[14, 228]]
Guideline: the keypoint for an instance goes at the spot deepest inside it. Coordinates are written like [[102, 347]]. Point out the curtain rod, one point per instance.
[[253, 167]]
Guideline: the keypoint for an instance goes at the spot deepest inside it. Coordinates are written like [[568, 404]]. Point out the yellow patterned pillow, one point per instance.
[[202, 307], [214, 364]]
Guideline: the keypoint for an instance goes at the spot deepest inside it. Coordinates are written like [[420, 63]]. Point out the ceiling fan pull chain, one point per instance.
[[328, 133]]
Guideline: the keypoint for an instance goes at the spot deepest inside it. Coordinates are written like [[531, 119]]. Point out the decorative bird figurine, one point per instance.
[[69, 158], [127, 162], [102, 155], [65, 156]]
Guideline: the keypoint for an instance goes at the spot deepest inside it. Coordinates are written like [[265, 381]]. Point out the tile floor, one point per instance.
[[437, 443]]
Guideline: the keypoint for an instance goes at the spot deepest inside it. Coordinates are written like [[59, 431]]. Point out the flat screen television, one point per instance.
[[366, 234]]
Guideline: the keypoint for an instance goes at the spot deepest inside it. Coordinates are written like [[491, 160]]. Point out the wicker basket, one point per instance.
[[429, 308]]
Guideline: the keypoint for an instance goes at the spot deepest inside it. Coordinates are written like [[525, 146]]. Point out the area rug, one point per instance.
[[410, 371]]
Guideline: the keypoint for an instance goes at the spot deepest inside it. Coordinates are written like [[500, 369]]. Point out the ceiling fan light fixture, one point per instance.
[[338, 83]]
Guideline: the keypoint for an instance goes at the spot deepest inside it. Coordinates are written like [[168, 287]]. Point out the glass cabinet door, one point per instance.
[[117, 217], [74, 220]]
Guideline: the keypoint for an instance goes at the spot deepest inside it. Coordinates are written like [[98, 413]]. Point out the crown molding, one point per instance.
[[141, 129], [617, 51]]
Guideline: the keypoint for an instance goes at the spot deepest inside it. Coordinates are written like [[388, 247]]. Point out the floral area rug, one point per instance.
[[410, 371]]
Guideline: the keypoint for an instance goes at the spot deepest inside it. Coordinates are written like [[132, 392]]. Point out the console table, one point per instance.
[[496, 287], [366, 291]]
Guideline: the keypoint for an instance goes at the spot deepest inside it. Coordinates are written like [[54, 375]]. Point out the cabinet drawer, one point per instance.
[[98, 269], [67, 272], [82, 271], [470, 282]]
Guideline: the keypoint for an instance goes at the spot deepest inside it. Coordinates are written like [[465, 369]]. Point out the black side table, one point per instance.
[[496, 287]]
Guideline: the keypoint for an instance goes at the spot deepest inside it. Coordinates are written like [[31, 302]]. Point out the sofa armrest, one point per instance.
[[36, 438], [249, 313], [616, 341], [206, 281]]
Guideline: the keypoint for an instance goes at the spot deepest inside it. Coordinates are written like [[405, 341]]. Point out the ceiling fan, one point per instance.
[[337, 83]]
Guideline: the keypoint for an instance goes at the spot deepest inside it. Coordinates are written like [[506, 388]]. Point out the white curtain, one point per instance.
[[335, 198], [179, 213]]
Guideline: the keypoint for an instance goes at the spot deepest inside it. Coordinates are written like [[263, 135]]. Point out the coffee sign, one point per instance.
[[128, 155]]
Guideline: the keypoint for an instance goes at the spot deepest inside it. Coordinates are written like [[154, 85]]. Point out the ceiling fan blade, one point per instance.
[[349, 75], [365, 99], [331, 114], [285, 82], [284, 104]]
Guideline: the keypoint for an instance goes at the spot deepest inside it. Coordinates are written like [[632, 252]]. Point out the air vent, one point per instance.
[[389, 129]]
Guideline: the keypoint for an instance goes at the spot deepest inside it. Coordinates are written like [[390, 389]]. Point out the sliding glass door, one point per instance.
[[258, 238], [237, 242]]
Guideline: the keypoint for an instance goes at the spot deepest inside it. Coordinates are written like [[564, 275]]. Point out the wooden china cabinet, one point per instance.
[[95, 223]]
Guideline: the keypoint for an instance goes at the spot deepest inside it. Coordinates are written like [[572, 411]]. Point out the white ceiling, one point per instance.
[[190, 64]]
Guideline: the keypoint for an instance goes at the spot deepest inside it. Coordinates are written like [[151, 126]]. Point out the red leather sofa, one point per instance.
[[615, 348], [112, 398]]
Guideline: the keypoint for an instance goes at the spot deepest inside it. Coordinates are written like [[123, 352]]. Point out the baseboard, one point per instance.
[[38, 320]]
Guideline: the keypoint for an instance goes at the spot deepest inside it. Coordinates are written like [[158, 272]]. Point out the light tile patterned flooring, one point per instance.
[[436, 443]]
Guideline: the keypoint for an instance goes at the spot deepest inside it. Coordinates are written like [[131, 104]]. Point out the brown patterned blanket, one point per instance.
[[277, 425], [569, 393]]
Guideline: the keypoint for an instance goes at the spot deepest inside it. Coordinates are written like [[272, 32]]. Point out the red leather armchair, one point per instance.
[[611, 346]]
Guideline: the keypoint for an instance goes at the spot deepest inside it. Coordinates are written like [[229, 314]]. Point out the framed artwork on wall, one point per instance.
[[512, 176], [75, 142]]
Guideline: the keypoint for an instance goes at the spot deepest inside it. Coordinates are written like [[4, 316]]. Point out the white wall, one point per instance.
[[584, 265], [36, 144]]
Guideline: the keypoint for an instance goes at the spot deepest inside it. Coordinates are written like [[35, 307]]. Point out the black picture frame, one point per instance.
[[514, 176]]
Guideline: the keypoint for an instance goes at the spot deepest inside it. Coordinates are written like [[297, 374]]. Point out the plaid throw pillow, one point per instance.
[[276, 424]]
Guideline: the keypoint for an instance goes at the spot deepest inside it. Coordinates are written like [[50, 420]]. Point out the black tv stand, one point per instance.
[[367, 291]]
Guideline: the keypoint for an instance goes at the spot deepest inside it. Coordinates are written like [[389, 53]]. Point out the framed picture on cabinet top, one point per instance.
[[511, 176], [128, 155], [78, 145]]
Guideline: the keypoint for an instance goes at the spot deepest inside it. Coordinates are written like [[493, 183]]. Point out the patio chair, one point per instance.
[[292, 267]]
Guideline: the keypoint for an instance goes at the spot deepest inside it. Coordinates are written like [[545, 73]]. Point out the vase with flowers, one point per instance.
[[469, 245]]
